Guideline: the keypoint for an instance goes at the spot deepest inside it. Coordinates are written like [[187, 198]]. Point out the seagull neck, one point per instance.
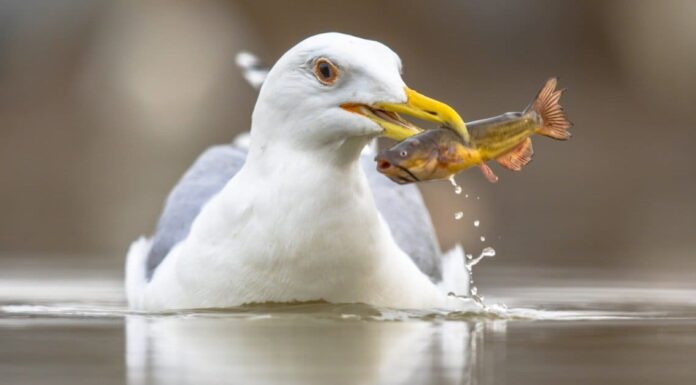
[[267, 156], [328, 197], [329, 176]]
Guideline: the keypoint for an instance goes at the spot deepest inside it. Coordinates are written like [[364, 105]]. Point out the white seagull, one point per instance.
[[301, 215]]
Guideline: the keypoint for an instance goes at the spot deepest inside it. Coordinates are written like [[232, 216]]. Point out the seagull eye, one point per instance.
[[325, 71], [403, 153]]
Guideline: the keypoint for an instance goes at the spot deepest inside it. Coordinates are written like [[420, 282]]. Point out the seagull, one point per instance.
[[299, 213]]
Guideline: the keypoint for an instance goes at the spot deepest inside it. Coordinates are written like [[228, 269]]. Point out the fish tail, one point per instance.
[[554, 122]]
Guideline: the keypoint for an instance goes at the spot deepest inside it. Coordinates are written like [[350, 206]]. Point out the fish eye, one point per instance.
[[403, 153], [325, 71]]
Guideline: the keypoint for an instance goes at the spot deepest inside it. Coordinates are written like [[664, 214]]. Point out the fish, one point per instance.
[[440, 153]]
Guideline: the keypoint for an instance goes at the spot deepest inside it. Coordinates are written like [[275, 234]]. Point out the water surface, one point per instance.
[[62, 329]]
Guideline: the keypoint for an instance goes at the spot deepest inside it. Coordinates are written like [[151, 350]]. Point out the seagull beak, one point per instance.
[[416, 105]]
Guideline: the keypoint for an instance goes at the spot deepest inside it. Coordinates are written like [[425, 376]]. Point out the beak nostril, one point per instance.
[[383, 165]]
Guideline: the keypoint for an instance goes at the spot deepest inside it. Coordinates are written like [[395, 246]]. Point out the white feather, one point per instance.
[[242, 140], [455, 276], [136, 260], [252, 69]]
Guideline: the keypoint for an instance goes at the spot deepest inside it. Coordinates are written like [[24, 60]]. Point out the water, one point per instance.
[[470, 261], [457, 187], [71, 326], [486, 252]]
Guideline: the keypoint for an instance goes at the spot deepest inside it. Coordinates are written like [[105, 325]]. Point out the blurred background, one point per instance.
[[103, 105]]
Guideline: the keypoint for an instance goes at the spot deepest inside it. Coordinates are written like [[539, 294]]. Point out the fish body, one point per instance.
[[441, 153]]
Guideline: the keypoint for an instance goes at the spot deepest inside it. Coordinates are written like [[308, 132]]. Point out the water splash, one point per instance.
[[457, 188], [470, 262], [488, 252]]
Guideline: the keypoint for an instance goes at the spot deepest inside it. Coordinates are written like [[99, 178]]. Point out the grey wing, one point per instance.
[[207, 176], [403, 209]]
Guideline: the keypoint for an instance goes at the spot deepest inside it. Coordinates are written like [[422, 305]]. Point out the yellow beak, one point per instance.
[[418, 106]]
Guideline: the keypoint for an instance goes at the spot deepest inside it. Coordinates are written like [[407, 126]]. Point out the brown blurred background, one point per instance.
[[103, 105]]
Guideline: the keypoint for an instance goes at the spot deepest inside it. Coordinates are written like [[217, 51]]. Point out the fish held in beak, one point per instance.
[[433, 154], [441, 153]]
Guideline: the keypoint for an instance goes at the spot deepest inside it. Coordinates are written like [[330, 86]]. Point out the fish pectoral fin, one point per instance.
[[518, 157], [488, 173]]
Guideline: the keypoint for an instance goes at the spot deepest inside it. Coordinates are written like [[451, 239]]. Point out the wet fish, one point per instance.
[[440, 153]]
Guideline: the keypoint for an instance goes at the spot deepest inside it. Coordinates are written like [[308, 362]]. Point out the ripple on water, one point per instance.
[[362, 312]]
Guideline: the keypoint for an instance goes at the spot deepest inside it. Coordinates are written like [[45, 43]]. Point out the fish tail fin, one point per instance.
[[554, 122]]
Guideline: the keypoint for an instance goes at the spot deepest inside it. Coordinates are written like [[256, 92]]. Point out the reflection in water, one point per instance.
[[272, 349], [72, 332], [597, 335]]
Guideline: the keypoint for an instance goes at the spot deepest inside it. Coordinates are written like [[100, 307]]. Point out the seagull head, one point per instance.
[[332, 89]]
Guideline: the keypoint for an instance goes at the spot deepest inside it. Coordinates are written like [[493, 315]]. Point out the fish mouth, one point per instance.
[[413, 177], [386, 115], [396, 173]]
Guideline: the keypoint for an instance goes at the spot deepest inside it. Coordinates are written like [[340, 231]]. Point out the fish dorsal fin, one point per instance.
[[488, 173], [518, 157]]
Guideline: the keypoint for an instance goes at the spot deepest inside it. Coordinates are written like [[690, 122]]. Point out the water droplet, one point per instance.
[[474, 290], [458, 215], [477, 198], [483, 239], [477, 223], [457, 188], [471, 262], [469, 256], [466, 196]]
